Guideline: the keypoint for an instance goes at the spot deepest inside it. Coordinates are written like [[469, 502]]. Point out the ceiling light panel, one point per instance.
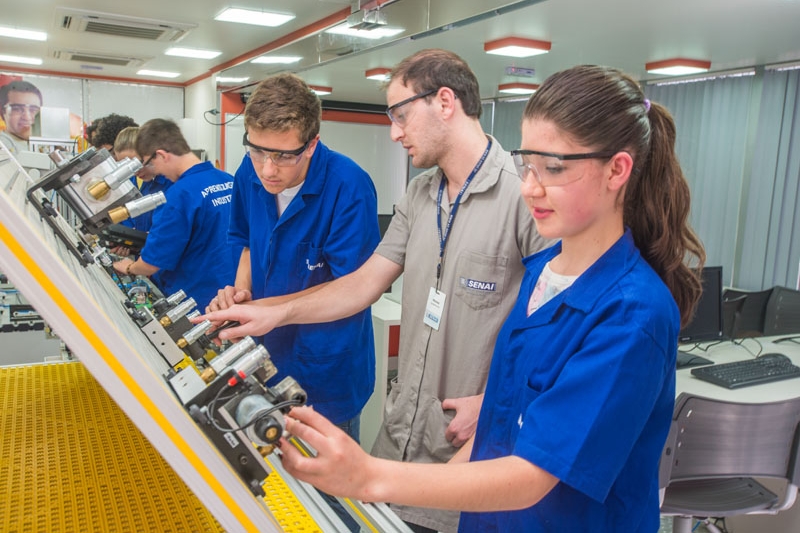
[[158, 73], [228, 79], [378, 74], [678, 67], [194, 53], [274, 60], [320, 90], [516, 47], [517, 88], [258, 18], [378, 33], [18, 33], [21, 59]]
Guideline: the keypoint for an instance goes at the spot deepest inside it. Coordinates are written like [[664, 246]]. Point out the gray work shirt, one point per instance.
[[481, 273]]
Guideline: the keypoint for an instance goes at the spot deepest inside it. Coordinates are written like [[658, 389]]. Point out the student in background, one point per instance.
[[582, 384], [460, 274], [187, 246], [145, 180], [107, 130], [91, 130], [20, 102]]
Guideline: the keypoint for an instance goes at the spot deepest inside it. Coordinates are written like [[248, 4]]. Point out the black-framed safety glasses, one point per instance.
[[400, 118], [548, 168], [280, 158]]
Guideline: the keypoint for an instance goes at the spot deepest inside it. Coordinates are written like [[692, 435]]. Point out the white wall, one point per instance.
[[139, 101], [370, 146], [199, 98], [234, 151]]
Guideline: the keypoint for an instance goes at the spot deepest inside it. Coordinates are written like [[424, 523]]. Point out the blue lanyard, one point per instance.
[[443, 238]]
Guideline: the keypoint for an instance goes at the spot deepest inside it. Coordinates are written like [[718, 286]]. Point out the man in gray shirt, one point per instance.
[[459, 236]]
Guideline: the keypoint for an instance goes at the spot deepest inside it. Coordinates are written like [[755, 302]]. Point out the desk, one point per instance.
[[726, 352], [385, 315]]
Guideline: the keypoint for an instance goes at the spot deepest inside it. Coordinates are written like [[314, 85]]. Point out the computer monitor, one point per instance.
[[752, 316], [706, 324], [383, 223]]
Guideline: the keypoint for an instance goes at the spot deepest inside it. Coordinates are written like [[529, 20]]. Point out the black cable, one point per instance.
[[212, 404], [707, 346], [741, 343], [260, 416], [721, 526], [220, 123], [230, 324], [277, 406]]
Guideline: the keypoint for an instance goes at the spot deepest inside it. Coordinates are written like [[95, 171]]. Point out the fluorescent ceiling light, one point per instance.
[[259, 18], [320, 90], [5, 31], [517, 88], [377, 33], [781, 67], [378, 74], [677, 67], [516, 47], [277, 59], [193, 53], [20, 59], [224, 79], [158, 73]]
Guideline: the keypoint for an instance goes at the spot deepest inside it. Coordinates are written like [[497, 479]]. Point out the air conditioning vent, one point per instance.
[[102, 59], [79, 20], [366, 20]]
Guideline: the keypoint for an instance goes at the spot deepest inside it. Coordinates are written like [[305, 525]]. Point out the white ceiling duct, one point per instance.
[[102, 59], [80, 20]]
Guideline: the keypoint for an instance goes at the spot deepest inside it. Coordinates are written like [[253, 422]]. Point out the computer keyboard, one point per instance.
[[764, 369]]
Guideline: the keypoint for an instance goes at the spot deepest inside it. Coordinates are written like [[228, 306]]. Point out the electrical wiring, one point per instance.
[[215, 112], [212, 408]]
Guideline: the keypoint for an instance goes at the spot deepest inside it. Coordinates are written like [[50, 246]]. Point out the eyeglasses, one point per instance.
[[548, 168], [400, 118], [18, 109], [147, 163], [280, 158]]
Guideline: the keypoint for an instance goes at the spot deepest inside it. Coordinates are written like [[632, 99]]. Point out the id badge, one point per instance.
[[434, 308]]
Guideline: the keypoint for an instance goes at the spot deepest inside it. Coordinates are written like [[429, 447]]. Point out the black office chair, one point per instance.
[[715, 448], [731, 316], [783, 312], [753, 312]]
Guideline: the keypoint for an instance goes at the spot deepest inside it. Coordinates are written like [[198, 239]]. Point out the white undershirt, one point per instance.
[[547, 287], [285, 197]]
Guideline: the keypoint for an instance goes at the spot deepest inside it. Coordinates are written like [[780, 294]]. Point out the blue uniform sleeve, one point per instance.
[[171, 231], [239, 228], [354, 232], [582, 427]]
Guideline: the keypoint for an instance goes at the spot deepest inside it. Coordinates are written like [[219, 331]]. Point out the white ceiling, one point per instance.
[[731, 34]]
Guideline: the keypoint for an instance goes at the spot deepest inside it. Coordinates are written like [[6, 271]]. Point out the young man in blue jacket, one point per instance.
[[304, 215], [187, 245]]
